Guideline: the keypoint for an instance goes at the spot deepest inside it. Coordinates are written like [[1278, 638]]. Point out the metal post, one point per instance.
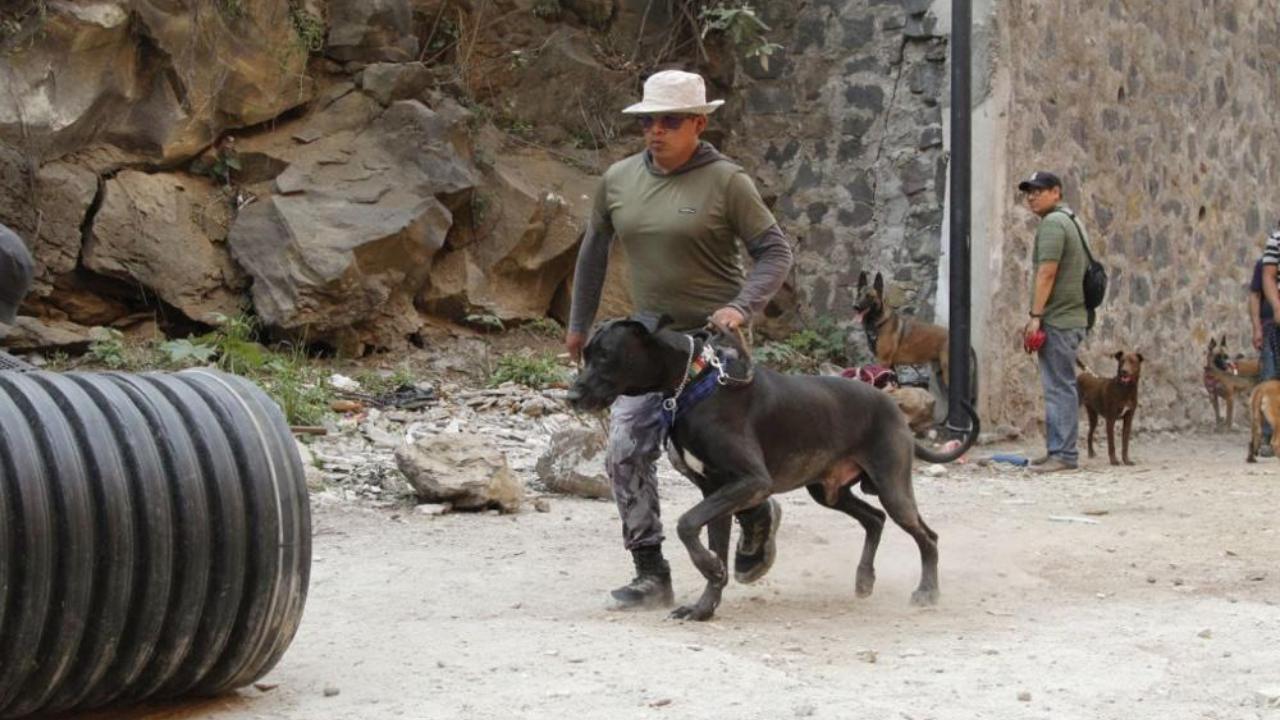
[[961, 141]]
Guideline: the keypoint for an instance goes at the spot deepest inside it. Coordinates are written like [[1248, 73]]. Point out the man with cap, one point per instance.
[[683, 212], [1057, 309], [15, 276]]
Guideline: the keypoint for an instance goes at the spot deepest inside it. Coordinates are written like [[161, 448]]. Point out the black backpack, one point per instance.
[[1095, 275]]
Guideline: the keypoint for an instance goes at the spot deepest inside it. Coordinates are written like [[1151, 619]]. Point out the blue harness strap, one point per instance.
[[705, 373]]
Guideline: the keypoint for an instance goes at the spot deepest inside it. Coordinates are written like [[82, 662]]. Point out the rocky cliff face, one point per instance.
[[192, 159]]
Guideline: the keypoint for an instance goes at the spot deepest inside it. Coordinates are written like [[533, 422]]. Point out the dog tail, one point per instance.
[[970, 438]]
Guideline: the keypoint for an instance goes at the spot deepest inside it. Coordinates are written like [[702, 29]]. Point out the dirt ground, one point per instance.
[[1143, 592]]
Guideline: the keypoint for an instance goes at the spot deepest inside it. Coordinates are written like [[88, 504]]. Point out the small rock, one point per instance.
[[868, 656], [339, 381], [1205, 633], [805, 711], [541, 505], [935, 470], [1151, 579], [266, 686], [1024, 696], [346, 406], [432, 509], [660, 703], [1268, 697], [331, 690], [990, 651]]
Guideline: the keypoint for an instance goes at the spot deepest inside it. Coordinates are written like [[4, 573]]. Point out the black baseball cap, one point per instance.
[[15, 274], [1040, 180]]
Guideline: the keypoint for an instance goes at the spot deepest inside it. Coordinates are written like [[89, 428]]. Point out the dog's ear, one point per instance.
[[1140, 358], [879, 284], [651, 322], [862, 280], [1213, 343], [1119, 355]]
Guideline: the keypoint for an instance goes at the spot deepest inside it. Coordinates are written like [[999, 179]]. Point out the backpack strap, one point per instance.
[[1084, 243]]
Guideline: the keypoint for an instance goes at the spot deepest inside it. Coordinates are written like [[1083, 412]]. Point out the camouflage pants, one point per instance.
[[636, 437]]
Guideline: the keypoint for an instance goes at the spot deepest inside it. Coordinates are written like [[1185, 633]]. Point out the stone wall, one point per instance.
[[845, 128], [1162, 124], [1157, 120]]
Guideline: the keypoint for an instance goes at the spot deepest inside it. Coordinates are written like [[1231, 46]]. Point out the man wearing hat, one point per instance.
[[15, 277], [683, 212], [1057, 309]]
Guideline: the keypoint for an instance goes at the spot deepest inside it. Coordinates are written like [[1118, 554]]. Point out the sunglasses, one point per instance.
[[668, 122]]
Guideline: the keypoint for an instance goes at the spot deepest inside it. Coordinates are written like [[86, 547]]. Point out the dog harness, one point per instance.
[[703, 374]]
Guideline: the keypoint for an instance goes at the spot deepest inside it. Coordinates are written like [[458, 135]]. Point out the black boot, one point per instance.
[[651, 586], [757, 545]]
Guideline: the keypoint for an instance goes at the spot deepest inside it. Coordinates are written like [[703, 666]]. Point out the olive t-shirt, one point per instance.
[[682, 233], [1058, 240]]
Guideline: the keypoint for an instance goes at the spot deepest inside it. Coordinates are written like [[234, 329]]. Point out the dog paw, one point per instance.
[[925, 598], [1130, 462], [692, 612], [864, 585]]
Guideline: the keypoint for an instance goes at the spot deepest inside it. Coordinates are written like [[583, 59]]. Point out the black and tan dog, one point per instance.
[[900, 340], [748, 440], [1114, 398], [1227, 378], [1264, 404]]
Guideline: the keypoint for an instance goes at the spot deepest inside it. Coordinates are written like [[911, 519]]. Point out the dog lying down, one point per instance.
[[759, 432]]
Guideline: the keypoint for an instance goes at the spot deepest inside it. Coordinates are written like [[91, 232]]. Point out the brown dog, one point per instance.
[[898, 340], [1264, 403], [1226, 378], [1112, 398]]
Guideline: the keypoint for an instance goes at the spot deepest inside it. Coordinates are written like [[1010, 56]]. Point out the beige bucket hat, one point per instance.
[[674, 91]]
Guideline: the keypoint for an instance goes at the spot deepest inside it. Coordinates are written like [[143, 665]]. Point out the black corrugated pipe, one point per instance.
[[959, 347], [155, 537]]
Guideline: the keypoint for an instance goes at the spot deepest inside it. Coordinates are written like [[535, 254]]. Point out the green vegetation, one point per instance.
[[380, 382], [805, 351], [742, 26], [534, 370], [308, 28], [547, 9], [283, 372]]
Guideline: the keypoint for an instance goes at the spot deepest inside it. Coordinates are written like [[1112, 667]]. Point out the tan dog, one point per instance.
[[1264, 403], [1226, 378], [895, 339], [1113, 398]]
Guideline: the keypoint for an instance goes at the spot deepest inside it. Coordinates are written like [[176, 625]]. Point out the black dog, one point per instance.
[[775, 433]]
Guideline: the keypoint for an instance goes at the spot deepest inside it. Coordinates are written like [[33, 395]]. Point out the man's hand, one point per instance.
[[728, 317], [1033, 325], [1257, 338], [574, 342]]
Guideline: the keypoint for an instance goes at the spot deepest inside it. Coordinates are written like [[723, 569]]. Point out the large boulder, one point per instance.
[[161, 78], [64, 193], [78, 76], [371, 31], [589, 96], [347, 240], [166, 233], [521, 244], [462, 470]]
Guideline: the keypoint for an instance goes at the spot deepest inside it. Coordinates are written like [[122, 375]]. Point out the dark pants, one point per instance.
[[636, 436], [1061, 401], [1270, 352]]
